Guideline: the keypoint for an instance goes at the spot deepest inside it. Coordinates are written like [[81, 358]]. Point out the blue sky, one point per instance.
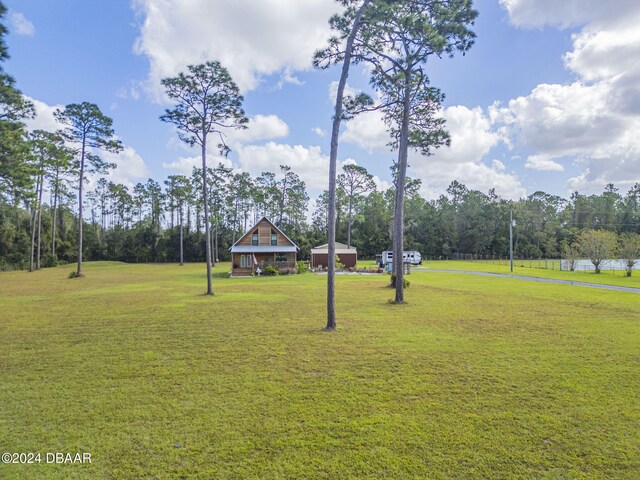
[[547, 99]]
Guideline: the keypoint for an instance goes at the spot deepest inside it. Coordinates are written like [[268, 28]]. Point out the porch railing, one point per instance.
[[279, 265]]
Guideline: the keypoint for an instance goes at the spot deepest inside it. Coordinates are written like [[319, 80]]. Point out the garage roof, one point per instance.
[[341, 249]]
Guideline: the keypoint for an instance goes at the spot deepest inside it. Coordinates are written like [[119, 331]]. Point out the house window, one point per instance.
[[241, 261], [254, 238], [274, 238]]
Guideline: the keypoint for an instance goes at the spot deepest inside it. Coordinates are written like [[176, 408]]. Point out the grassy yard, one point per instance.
[[474, 378], [537, 269]]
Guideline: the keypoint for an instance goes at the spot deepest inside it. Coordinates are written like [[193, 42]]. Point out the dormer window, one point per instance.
[[274, 238], [254, 238]]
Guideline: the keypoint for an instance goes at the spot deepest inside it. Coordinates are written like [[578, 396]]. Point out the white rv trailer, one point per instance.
[[411, 256]]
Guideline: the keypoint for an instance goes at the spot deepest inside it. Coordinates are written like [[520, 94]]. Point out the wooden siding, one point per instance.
[[264, 235], [348, 259]]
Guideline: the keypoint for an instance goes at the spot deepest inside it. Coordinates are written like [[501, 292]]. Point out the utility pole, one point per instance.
[[512, 224]]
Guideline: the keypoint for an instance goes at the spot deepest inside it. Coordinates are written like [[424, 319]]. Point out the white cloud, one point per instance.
[[437, 175], [617, 162], [566, 118], [367, 131], [578, 182], [252, 39], [131, 167], [381, 185], [308, 162], [471, 136], [20, 24], [498, 166], [260, 127], [595, 119], [319, 131], [604, 54], [540, 162], [44, 116], [608, 55], [252, 158], [565, 13], [184, 165], [288, 77], [578, 121]]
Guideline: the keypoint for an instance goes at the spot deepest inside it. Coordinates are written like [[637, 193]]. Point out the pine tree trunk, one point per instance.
[[213, 248], [181, 240], [62, 224], [333, 160], [282, 199], [53, 217], [38, 257], [207, 230], [35, 211], [80, 217], [349, 225], [198, 221], [398, 227], [217, 243], [33, 237]]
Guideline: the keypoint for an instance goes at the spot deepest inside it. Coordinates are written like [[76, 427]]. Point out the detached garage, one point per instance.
[[320, 255]]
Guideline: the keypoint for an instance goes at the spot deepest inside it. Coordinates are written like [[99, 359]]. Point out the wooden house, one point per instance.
[[348, 256], [262, 245]]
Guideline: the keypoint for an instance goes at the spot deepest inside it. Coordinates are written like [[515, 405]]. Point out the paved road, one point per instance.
[[536, 279]]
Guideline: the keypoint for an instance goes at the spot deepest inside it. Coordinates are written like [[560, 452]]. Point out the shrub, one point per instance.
[[271, 271], [9, 267], [301, 267], [50, 261], [405, 282]]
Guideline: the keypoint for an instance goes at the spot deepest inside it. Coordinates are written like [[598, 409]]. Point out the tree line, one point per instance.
[[145, 223]]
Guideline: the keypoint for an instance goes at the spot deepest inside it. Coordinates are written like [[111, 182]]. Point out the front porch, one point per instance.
[[248, 264]]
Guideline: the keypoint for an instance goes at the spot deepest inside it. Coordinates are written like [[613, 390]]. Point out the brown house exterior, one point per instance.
[[347, 256], [262, 245]]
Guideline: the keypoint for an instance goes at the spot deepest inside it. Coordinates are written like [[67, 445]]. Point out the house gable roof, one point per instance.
[[249, 231]]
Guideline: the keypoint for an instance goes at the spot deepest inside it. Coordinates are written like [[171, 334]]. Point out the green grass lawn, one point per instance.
[[537, 268], [474, 378]]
